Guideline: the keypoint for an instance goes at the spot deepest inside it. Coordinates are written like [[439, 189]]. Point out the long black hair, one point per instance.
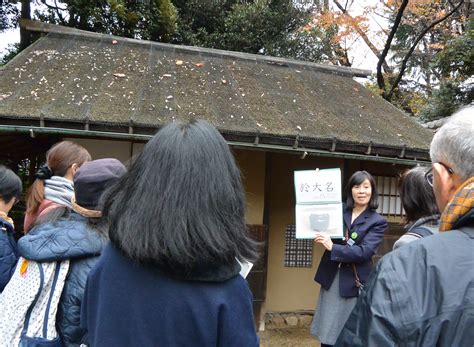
[[356, 179], [182, 202]]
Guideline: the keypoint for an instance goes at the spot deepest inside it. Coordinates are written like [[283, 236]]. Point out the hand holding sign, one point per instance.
[[325, 240]]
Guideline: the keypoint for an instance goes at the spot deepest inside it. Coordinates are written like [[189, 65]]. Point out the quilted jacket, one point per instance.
[[72, 239], [8, 253]]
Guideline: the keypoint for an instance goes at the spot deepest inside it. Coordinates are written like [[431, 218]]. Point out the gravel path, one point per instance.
[[291, 337]]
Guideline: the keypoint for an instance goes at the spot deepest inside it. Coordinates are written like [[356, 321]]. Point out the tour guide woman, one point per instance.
[[347, 263]]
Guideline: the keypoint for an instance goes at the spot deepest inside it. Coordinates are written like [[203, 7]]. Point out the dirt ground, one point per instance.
[[290, 337]]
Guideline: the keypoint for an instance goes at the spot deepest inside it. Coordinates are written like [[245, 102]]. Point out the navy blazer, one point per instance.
[[367, 232]]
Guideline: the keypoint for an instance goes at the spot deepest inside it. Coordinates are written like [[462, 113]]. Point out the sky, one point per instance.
[[360, 54], [8, 37]]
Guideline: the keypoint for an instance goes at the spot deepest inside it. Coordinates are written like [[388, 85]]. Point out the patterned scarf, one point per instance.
[[59, 190], [460, 204]]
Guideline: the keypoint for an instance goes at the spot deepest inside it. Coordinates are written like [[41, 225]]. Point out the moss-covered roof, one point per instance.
[[100, 79]]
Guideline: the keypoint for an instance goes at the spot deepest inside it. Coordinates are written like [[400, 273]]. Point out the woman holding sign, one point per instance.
[[346, 265]]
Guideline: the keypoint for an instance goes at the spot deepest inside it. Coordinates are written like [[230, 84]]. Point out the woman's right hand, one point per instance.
[[324, 239]]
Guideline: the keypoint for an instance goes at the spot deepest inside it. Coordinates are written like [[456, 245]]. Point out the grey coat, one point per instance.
[[421, 294]]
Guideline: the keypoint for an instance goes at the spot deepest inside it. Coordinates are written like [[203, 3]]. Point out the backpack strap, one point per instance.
[[51, 294], [30, 309]]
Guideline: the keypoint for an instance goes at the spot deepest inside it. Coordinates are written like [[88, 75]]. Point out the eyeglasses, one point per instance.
[[429, 173]]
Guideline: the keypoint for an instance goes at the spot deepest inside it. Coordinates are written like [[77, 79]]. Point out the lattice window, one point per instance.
[[389, 196], [298, 252]]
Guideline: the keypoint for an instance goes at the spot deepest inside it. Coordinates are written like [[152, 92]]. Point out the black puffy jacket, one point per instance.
[[421, 294]]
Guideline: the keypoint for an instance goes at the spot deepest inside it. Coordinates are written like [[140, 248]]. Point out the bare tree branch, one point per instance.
[[413, 46], [51, 7], [58, 12], [364, 37], [56, 9], [396, 24]]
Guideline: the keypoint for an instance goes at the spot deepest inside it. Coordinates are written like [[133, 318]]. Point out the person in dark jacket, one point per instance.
[[10, 193], [346, 264], [419, 204], [422, 294], [170, 275], [78, 235]]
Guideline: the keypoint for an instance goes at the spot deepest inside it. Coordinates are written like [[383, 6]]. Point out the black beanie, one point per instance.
[[93, 178]]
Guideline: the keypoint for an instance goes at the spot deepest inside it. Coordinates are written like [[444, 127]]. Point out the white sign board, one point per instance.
[[318, 203]]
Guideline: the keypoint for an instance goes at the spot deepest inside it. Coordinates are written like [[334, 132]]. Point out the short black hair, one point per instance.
[[10, 184], [357, 178], [182, 202], [417, 196]]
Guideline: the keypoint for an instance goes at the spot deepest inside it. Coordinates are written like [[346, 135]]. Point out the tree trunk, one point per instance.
[[25, 36]]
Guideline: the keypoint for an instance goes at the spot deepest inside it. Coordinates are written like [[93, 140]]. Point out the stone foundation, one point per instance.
[[282, 320]]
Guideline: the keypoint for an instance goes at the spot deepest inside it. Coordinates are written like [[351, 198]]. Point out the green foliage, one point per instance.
[[314, 45], [271, 27], [455, 63], [201, 22], [456, 60], [436, 79], [12, 51], [443, 103], [160, 21], [151, 20], [258, 25]]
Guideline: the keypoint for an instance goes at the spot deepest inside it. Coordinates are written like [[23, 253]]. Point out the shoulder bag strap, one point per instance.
[[30, 309], [357, 279], [51, 295]]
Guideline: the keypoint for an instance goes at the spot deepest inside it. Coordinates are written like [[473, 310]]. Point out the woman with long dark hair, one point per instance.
[[419, 203], [53, 185], [10, 193], [346, 265], [170, 275]]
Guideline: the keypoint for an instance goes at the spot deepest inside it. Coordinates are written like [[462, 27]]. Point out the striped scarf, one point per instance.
[[460, 204], [59, 190]]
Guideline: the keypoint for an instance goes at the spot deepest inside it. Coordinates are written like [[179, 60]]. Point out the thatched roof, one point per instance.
[[74, 79]]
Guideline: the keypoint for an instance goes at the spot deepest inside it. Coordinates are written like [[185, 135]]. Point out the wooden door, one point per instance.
[[257, 278]]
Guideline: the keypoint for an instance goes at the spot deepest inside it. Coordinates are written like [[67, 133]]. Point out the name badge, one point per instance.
[[350, 242]]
